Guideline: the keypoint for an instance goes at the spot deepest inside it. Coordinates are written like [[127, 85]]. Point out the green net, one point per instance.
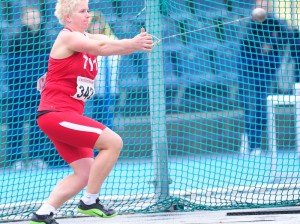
[[209, 118]]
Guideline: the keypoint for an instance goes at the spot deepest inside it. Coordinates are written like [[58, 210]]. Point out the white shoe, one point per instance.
[[18, 165], [244, 149]]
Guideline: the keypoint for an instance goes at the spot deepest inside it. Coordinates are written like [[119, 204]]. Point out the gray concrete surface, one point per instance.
[[197, 217]]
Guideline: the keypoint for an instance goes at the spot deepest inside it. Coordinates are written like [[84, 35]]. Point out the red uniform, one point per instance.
[[69, 83]]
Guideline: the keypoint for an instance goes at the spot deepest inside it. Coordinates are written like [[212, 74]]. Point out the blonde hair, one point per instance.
[[65, 7]]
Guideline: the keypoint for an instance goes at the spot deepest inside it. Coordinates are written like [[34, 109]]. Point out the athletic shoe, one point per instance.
[[96, 210], [42, 219]]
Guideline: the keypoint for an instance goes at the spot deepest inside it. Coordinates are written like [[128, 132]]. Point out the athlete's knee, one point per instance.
[[118, 143], [85, 180], [82, 181], [81, 170], [115, 144], [109, 140]]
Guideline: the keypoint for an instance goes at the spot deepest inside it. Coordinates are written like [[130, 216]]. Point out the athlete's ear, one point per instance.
[[67, 18]]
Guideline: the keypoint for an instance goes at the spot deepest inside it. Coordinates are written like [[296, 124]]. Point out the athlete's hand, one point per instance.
[[143, 41]]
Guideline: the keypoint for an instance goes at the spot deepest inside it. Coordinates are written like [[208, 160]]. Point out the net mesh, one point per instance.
[[209, 119]]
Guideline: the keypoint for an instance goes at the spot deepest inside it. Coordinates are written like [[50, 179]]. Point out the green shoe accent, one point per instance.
[[96, 213]]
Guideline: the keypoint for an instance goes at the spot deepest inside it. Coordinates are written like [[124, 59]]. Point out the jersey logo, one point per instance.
[[92, 63]]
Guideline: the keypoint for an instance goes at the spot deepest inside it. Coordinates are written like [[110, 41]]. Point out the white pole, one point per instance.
[[297, 116], [157, 103], [271, 126]]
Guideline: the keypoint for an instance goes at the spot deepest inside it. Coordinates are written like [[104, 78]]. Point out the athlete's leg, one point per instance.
[[110, 144], [73, 136], [63, 191], [72, 184]]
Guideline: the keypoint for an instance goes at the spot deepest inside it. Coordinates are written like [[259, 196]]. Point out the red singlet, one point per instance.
[[69, 83], [68, 77]]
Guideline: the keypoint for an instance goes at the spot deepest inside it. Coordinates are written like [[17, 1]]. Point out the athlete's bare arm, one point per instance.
[[69, 42]]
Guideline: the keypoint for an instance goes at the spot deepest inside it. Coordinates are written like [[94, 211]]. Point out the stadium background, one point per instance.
[[177, 112]]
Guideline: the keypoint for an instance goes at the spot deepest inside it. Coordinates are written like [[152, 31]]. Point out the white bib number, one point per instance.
[[85, 89]]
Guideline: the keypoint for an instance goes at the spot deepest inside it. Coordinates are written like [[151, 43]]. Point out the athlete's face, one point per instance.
[[80, 17]]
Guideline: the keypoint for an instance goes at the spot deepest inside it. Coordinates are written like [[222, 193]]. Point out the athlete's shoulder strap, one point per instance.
[[67, 29]]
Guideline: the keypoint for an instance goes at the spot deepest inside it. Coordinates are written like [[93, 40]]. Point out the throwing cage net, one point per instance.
[[209, 118]]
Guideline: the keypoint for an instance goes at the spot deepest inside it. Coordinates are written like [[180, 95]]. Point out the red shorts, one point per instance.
[[73, 135]]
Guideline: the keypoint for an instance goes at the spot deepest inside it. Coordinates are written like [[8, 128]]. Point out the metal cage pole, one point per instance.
[[157, 103]]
